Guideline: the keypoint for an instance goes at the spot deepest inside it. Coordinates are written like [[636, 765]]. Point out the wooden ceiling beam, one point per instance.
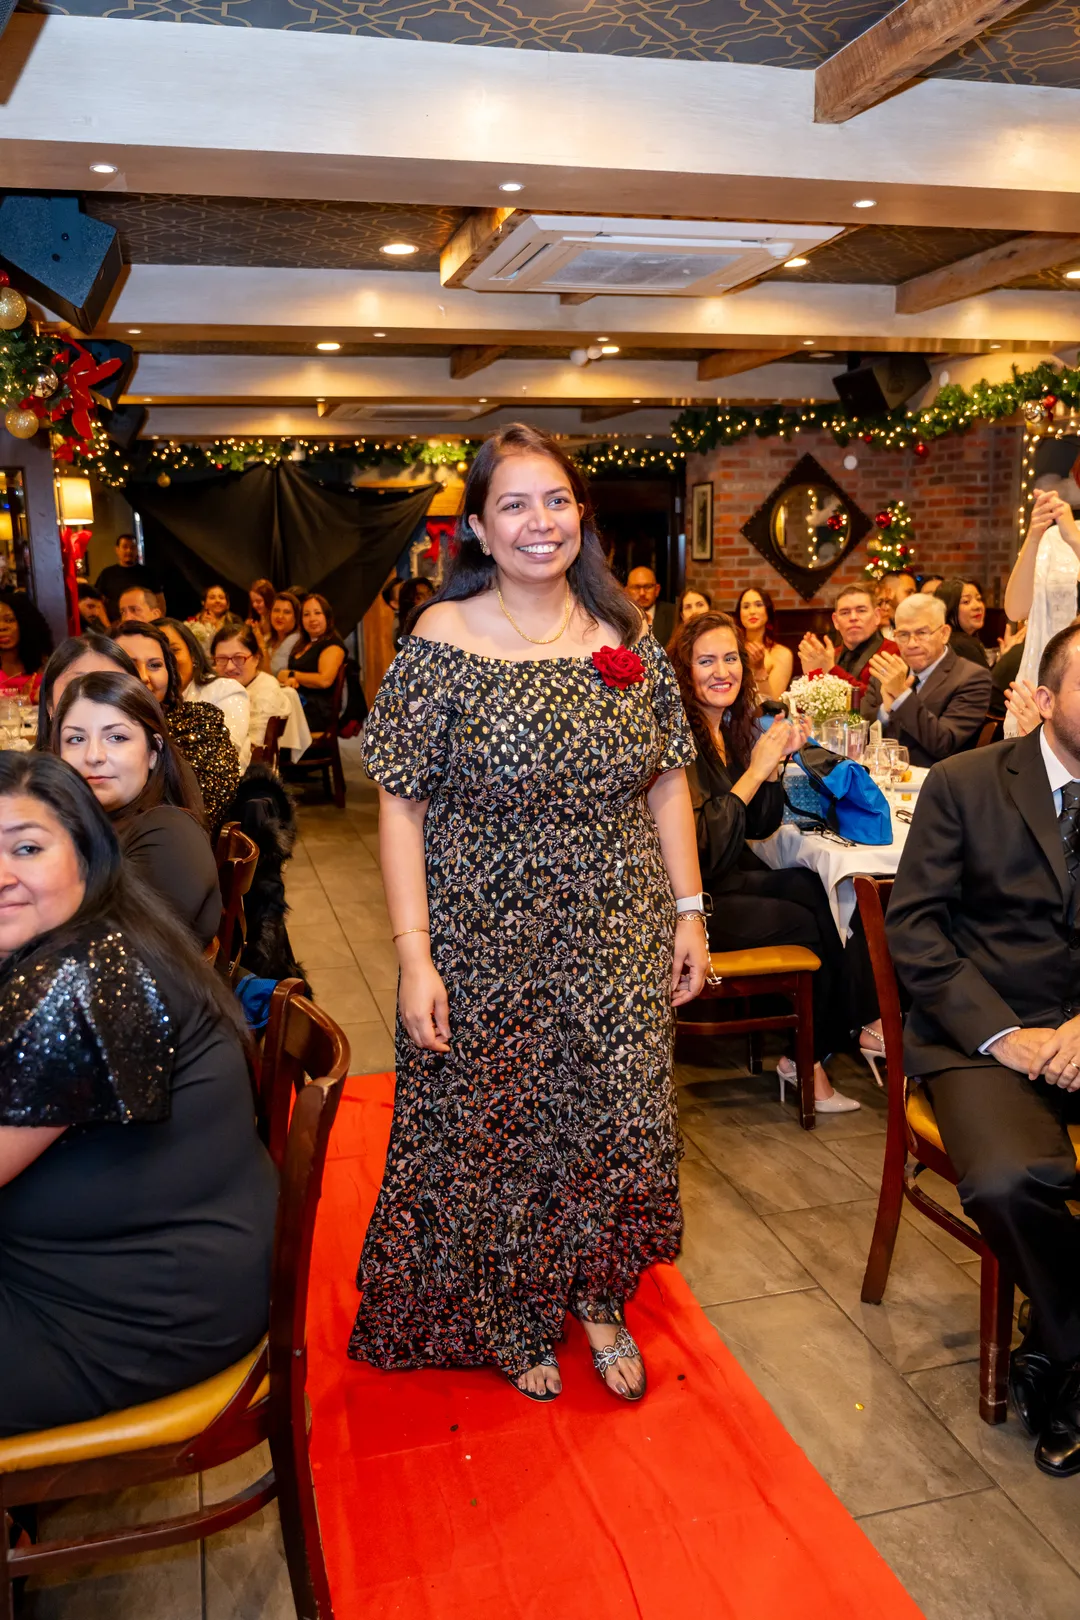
[[911, 38], [602, 413], [471, 358], [471, 243], [982, 272], [729, 362]]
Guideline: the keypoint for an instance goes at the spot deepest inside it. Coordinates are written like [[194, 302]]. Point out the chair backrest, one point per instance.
[[872, 895], [237, 858], [301, 1044], [987, 731], [267, 752], [336, 693]]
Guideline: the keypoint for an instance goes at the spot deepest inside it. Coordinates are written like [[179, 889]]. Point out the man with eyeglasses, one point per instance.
[[924, 695]]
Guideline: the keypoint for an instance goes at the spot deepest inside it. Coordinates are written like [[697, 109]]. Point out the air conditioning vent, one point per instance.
[[344, 411], [554, 253]]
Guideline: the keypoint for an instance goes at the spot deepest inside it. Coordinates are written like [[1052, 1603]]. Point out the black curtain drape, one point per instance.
[[279, 523]]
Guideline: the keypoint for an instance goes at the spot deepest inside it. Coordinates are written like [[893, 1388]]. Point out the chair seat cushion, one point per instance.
[[920, 1117], [156, 1423], [765, 959]]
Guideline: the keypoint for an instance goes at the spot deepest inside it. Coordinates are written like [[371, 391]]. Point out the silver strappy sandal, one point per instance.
[[623, 1349], [548, 1359]]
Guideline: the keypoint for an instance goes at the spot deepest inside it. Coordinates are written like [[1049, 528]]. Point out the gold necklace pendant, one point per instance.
[[540, 641]]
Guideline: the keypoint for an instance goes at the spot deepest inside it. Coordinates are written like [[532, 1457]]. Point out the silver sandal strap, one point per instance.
[[622, 1348]]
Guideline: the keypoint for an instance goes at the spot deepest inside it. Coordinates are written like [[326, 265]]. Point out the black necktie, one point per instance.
[[1069, 822]]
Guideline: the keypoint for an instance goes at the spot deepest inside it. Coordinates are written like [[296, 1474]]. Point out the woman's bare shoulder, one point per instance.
[[444, 621]]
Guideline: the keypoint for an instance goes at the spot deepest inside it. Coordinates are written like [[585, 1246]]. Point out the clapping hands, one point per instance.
[[1020, 703], [783, 738], [815, 653], [892, 675]]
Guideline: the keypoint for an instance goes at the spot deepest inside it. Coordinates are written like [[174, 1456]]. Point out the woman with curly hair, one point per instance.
[[737, 797], [25, 644], [770, 661]]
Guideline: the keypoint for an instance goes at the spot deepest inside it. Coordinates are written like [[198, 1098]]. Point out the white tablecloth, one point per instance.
[[836, 864], [297, 733]]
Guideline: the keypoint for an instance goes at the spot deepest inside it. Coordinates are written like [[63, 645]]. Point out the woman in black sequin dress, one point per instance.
[[137, 1204], [536, 830]]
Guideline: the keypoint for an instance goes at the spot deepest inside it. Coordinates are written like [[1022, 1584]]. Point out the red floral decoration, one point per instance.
[[619, 666]]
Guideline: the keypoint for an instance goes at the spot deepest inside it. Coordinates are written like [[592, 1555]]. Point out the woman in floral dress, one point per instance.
[[536, 835]]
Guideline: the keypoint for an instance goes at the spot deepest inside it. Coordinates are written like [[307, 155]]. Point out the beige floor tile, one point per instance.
[[340, 859], [355, 886], [244, 1569], [371, 1048], [773, 1170], [728, 1252], [386, 1001], [368, 921], [378, 963], [344, 994], [323, 945]]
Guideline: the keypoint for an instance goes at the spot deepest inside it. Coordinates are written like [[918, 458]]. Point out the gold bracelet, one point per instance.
[[404, 931]]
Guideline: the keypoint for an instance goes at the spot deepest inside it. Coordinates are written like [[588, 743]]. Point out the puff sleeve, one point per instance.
[[406, 737], [676, 741]]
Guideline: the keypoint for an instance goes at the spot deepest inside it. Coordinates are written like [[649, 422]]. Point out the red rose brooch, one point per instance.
[[619, 666]]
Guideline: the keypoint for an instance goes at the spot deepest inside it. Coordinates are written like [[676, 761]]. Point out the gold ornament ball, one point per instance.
[[12, 309], [463, 466], [44, 383], [163, 480], [20, 424], [1034, 413]]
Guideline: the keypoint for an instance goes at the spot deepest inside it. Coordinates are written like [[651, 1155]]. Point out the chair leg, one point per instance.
[[995, 1340], [300, 1519], [753, 1051], [339, 777], [804, 1049], [887, 1224]]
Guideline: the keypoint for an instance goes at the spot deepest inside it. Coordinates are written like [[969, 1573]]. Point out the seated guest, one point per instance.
[[25, 645], [412, 596], [127, 570], [235, 653], [261, 595], [925, 697], [196, 730], [78, 655], [139, 602], [137, 1204], [930, 583], [643, 589], [691, 605], [856, 618], [736, 796], [93, 612], [199, 683], [212, 615], [112, 731], [770, 660], [315, 661], [965, 614], [284, 631], [982, 930]]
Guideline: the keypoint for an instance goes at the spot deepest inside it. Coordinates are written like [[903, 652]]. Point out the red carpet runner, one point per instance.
[[446, 1496]]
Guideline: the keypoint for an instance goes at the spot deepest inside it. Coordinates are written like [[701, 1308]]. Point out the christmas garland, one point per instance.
[[46, 382]]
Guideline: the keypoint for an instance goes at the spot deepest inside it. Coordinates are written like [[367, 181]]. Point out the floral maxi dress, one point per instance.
[[532, 1170]]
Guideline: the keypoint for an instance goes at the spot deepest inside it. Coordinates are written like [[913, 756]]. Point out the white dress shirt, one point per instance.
[[231, 698], [883, 712], [267, 697]]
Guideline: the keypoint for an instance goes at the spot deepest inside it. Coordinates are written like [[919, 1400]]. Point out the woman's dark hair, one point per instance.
[[135, 627], [410, 602], [594, 585], [202, 670], [166, 781], [949, 593], [69, 652], [294, 602], [740, 718], [113, 895], [266, 593], [35, 637], [770, 636], [328, 614], [236, 631]]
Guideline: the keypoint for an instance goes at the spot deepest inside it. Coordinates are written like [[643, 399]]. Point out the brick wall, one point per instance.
[[963, 500]]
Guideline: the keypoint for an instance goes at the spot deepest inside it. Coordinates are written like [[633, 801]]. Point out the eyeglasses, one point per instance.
[[232, 660], [901, 636]]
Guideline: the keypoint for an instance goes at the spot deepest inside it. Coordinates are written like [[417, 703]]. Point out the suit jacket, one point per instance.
[[981, 920], [663, 625], [943, 717]]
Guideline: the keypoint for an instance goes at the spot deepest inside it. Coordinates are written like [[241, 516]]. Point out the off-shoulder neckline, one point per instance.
[[489, 658]]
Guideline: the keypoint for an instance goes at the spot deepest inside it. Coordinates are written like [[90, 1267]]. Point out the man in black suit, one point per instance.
[[925, 697], [643, 590], [984, 927]]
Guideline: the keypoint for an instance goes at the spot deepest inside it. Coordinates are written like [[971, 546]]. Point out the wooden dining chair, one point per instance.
[[237, 857], [769, 970], [913, 1145], [989, 731], [300, 1042], [324, 751], [260, 1398], [267, 751]]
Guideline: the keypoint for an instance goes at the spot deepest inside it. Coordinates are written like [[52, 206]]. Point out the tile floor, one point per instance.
[[881, 1398]]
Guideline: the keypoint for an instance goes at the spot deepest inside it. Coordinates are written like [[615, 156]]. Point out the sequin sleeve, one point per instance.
[[676, 739], [406, 737], [85, 1037]]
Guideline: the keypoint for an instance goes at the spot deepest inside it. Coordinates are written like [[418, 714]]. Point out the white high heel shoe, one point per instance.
[[836, 1104], [872, 1058]]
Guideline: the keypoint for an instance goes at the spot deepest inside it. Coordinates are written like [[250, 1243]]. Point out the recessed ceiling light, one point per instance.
[[635, 402], [134, 331], [398, 250], [378, 334], [795, 264], [865, 202], [511, 185], [103, 168], [328, 348], [604, 339], [481, 402], [995, 345], [609, 348], [1072, 275], [808, 343], [147, 399]]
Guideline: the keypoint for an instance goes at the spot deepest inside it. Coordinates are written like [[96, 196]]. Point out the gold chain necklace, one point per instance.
[[540, 641]]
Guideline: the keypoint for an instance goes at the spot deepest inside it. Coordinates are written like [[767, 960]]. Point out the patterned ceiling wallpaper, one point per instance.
[[1040, 44]]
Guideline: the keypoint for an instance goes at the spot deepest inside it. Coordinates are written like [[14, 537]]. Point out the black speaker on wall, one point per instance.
[[124, 423], [882, 385], [60, 256], [6, 8], [104, 349]]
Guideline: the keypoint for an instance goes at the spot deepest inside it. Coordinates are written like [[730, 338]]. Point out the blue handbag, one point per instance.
[[844, 798]]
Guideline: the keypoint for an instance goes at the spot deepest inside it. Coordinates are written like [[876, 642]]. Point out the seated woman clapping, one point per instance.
[[736, 797], [235, 654], [110, 729], [137, 1204]]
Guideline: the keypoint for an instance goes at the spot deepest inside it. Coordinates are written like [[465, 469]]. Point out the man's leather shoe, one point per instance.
[[1058, 1450], [1034, 1382]]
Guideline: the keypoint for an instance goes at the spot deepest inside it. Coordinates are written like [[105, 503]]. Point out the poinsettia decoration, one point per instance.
[[52, 379]]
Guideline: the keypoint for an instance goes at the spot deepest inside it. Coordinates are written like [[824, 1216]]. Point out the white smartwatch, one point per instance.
[[700, 903]]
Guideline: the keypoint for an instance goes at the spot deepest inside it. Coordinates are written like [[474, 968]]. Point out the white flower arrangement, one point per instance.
[[820, 696]]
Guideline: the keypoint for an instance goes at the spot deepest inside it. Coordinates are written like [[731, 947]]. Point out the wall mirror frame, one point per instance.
[[806, 489]]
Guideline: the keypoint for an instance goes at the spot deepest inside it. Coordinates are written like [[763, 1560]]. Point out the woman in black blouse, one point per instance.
[[965, 614], [315, 662], [137, 1204], [736, 797], [110, 729]]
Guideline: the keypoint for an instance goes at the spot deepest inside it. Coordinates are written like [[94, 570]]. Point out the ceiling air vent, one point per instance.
[[349, 411], [560, 254]]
